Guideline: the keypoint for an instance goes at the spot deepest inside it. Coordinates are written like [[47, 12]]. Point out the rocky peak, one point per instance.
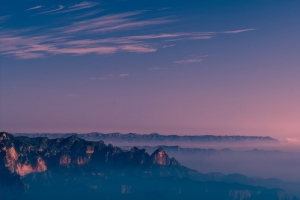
[[5, 136], [72, 139], [160, 157], [134, 149], [173, 161]]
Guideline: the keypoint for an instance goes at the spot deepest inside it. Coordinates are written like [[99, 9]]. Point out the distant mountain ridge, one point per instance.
[[130, 138]]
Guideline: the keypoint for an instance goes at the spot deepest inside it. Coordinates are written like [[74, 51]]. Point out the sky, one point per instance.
[[221, 67]]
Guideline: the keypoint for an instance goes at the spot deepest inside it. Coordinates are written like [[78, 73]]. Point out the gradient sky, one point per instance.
[[191, 67]]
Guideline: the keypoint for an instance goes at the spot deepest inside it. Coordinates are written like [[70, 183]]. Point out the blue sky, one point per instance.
[[197, 67]]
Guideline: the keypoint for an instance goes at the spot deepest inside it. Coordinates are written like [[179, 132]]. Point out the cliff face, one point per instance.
[[65, 160], [13, 160], [23, 155]]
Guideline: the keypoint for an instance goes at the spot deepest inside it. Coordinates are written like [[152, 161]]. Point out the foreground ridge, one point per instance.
[[75, 168]]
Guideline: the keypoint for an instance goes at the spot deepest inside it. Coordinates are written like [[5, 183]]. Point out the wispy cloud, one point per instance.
[[36, 7], [60, 7], [239, 31], [90, 36], [67, 9], [80, 6], [26, 47], [130, 25], [116, 22], [138, 48], [84, 5], [36, 47]]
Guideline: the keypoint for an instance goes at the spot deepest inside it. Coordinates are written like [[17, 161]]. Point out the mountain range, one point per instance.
[[155, 138], [73, 168]]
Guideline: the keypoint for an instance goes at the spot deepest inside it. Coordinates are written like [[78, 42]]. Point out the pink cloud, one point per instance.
[[138, 48], [81, 51]]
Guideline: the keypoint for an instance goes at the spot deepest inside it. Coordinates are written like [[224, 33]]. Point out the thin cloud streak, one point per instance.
[[138, 48], [65, 9], [60, 7], [131, 25], [96, 23], [116, 22], [80, 6], [36, 7], [84, 5], [239, 31]]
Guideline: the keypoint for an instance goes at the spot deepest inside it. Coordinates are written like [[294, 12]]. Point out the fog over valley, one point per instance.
[[257, 157]]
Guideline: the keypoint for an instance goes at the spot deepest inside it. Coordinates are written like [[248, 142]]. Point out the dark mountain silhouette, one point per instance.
[[73, 168]]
